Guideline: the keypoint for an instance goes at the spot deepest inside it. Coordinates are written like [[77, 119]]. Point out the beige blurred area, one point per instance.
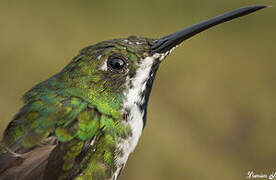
[[212, 109]]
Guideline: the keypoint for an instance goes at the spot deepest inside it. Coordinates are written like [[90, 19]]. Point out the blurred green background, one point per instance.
[[212, 109]]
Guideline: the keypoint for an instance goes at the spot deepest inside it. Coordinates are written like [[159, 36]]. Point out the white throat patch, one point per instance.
[[131, 104]]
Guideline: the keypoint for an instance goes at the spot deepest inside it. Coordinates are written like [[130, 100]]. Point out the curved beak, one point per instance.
[[167, 43]]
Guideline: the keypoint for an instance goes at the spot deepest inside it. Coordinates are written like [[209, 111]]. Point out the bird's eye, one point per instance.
[[116, 63]]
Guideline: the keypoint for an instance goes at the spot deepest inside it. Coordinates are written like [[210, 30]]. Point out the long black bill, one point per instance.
[[166, 43]]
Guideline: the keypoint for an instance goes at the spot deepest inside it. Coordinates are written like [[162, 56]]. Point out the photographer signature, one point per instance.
[[253, 175]]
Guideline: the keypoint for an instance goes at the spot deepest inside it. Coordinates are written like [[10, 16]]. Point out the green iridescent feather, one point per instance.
[[81, 108]]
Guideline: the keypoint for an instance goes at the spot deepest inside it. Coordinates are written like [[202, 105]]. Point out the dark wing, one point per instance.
[[43, 123]]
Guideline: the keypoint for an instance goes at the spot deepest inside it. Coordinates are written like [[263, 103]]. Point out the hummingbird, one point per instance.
[[85, 121]]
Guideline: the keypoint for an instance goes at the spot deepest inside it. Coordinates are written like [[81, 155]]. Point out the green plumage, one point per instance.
[[81, 108]]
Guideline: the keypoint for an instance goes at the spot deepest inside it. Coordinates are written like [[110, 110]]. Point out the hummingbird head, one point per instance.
[[118, 74]]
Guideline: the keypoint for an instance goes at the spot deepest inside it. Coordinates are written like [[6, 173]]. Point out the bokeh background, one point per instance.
[[212, 109]]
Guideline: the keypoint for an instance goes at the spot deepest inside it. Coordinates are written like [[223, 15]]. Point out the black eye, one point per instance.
[[116, 63]]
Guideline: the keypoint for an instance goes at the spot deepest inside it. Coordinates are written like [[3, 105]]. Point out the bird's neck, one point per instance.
[[134, 107]]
